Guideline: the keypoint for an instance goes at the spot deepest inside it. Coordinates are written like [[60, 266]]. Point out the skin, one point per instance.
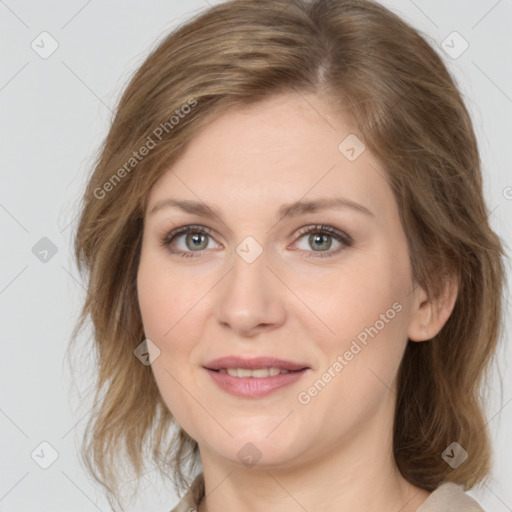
[[326, 454]]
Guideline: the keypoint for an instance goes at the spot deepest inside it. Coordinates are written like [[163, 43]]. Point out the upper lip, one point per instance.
[[253, 363]]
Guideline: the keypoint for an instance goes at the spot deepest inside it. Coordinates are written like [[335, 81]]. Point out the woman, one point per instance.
[[292, 278]]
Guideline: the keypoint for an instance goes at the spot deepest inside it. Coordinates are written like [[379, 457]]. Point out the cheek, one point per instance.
[[365, 309], [360, 361], [169, 307], [354, 298], [164, 302], [164, 297]]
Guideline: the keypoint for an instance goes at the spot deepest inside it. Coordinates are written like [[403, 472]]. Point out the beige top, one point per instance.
[[448, 497]]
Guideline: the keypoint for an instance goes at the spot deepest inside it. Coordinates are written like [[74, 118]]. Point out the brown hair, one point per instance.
[[405, 106]]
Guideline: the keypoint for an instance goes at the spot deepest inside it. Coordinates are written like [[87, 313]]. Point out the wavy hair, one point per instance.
[[384, 76]]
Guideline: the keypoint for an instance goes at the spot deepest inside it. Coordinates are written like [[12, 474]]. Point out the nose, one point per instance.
[[250, 299]]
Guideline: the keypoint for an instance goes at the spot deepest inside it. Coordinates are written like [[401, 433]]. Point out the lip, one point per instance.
[[254, 363], [254, 387]]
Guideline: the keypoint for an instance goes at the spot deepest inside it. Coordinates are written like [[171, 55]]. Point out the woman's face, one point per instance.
[[248, 282]]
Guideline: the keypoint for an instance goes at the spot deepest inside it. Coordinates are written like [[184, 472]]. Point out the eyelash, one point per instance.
[[339, 236]]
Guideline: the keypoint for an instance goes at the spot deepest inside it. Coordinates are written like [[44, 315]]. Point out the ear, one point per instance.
[[428, 316]]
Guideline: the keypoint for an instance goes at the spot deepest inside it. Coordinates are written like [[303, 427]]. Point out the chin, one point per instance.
[[258, 449]]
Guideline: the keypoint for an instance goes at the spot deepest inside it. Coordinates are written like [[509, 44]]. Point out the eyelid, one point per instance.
[[187, 227]]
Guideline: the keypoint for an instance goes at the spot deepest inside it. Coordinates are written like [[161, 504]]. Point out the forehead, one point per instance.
[[286, 148]]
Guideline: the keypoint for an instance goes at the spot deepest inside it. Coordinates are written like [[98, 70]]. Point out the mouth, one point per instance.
[[257, 373], [254, 378]]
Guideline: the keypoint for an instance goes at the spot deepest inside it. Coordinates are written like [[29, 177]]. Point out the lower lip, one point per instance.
[[254, 387]]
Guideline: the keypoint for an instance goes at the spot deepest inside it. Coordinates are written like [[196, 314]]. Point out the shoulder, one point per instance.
[[449, 497], [191, 499]]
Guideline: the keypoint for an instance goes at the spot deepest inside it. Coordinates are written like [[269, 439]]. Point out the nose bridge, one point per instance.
[[250, 295], [249, 267]]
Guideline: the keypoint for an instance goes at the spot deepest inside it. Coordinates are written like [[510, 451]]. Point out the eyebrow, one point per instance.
[[285, 211]]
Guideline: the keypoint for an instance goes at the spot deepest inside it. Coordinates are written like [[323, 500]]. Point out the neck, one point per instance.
[[358, 474]]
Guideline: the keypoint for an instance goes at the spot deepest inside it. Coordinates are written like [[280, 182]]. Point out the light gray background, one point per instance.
[[55, 113]]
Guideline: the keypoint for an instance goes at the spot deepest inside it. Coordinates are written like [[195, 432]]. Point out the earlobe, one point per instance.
[[430, 315]]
